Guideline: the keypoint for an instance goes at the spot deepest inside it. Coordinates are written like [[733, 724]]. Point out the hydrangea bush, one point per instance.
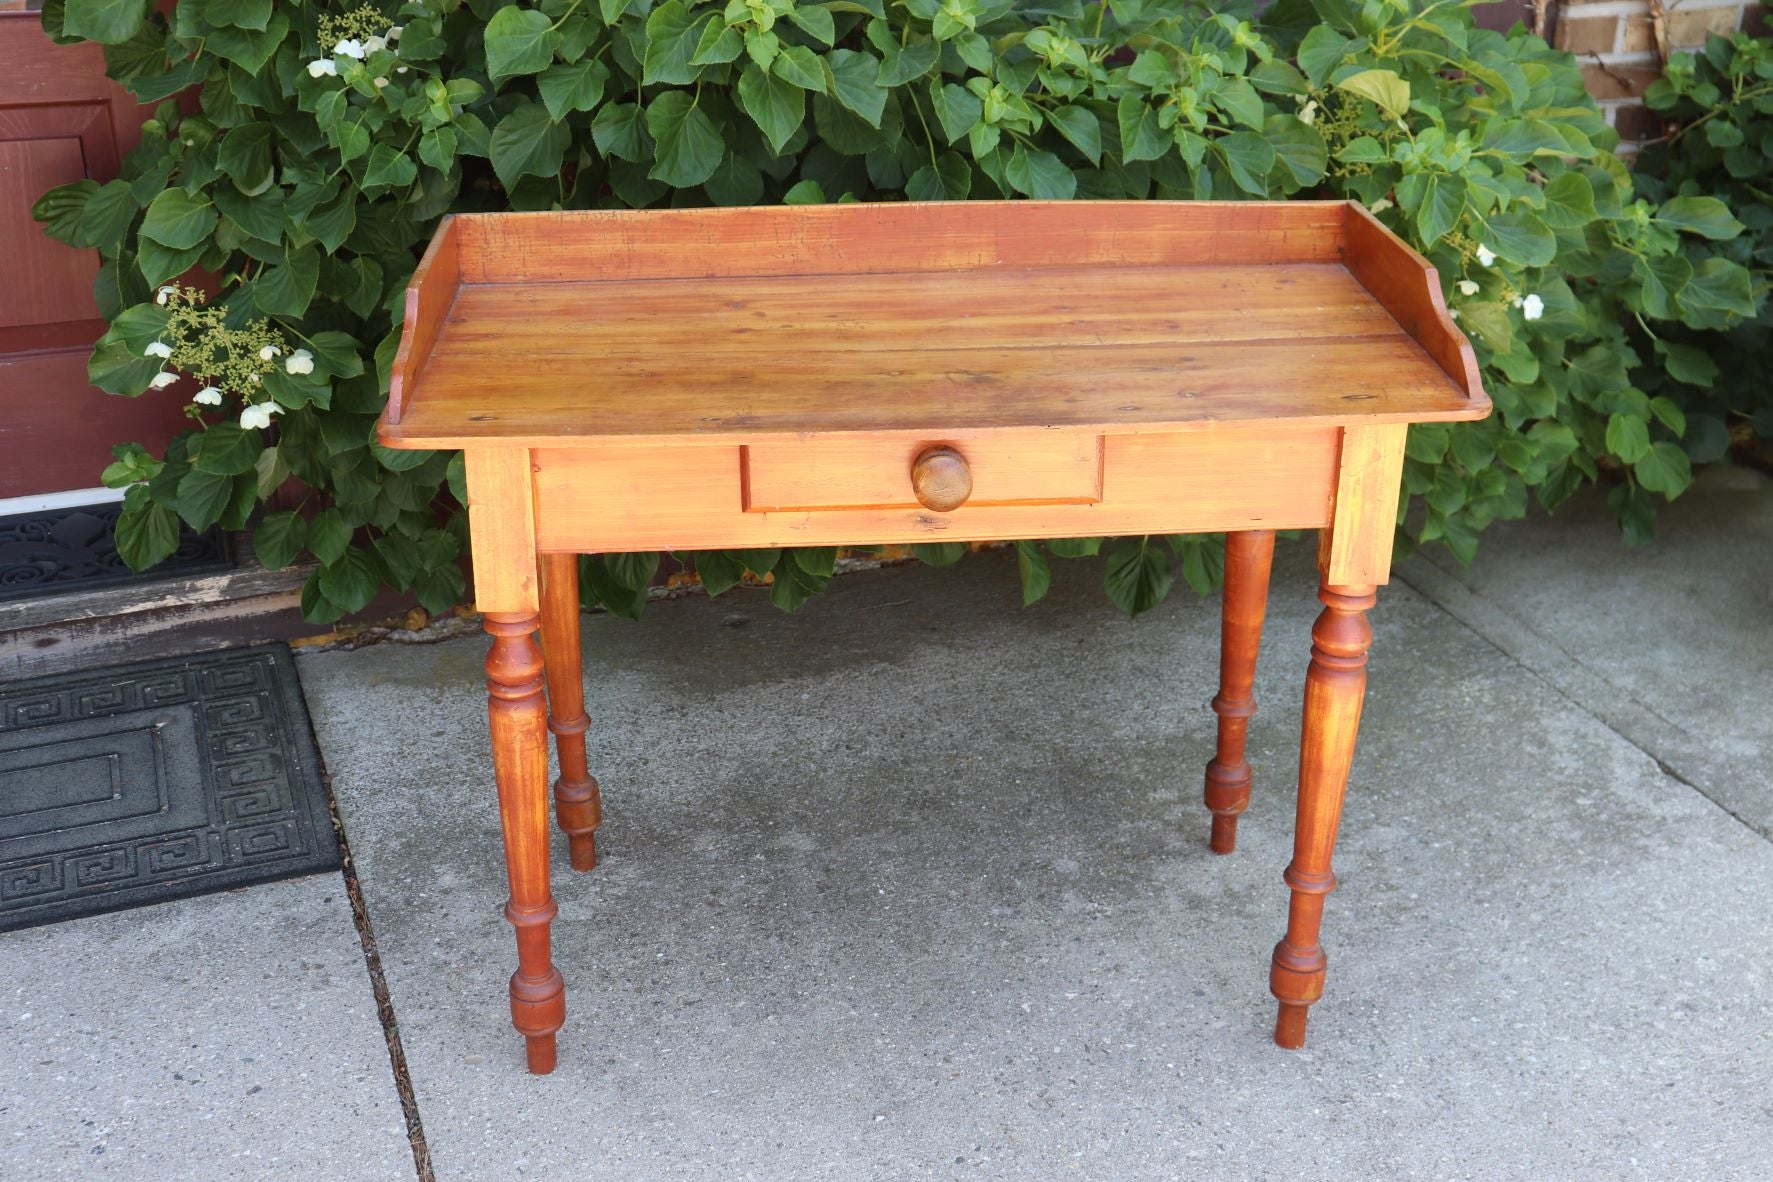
[[326, 141], [1718, 367]]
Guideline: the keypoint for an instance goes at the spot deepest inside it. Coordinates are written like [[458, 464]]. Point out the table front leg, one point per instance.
[[1249, 555], [1335, 685], [578, 804], [520, 761]]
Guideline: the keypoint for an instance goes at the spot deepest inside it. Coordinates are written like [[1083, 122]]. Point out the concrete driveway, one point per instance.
[[914, 884]]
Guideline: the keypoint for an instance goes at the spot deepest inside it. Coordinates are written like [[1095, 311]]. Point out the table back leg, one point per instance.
[[1335, 686], [1249, 555], [578, 804], [520, 762]]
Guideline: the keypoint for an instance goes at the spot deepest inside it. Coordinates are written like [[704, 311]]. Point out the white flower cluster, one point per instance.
[[351, 47], [255, 415], [1531, 306]]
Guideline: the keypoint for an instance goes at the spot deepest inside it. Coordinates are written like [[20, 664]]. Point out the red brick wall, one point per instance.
[[1622, 45]]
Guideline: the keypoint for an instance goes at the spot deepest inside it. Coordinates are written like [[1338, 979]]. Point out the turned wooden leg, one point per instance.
[[1248, 557], [1335, 685], [578, 806], [520, 762]]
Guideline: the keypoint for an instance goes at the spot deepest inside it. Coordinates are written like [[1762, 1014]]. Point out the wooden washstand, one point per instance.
[[854, 374]]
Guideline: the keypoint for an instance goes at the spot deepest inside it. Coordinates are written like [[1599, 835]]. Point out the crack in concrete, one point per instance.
[[372, 958]]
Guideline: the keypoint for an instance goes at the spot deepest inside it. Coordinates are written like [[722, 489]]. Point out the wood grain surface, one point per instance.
[[760, 325]]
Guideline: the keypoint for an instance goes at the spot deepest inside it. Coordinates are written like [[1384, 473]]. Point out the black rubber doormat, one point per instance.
[[141, 783], [73, 549]]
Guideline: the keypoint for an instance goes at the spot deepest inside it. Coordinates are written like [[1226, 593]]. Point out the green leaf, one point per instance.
[[1569, 201], [1299, 148], [720, 42], [240, 14], [1522, 139], [949, 179], [527, 142], [245, 156], [672, 36], [855, 81], [1362, 150], [575, 87], [818, 561], [1628, 437], [1720, 286], [352, 581], [939, 553], [687, 145], [328, 536], [178, 220], [801, 66], [957, 108], [620, 131], [806, 193], [202, 496], [388, 166], [736, 182], [279, 538], [62, 211], [1248, 157], [1663, 277], [1278, 77], [1140, 136], [1081, 129], [776, 106], [147, 532], [815, 22], [1138, 577], [1036, 574], [519, 41], [287, 290], [1443, 201], [1520, 237], [1383, 87], [1040, 174], [1706, 216], [1687, 363], [1075, 547], [1665, 470], [333, 222], [440, 588], [719, 570], [1239, 99], [107, 215], [1321, 52], [109, 22], [227, 449], [249, 49], [904, 63]]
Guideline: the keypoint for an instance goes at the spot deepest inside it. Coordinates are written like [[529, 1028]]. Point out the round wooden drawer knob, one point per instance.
[[941, 479]]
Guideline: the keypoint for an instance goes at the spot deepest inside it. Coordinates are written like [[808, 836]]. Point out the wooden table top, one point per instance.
[[770, 324]]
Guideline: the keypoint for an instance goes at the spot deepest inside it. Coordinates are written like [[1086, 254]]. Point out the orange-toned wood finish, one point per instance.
[[578, 805], [1249, 555], [847, 375], [1231, 478], [519, 726], [1335, 686]]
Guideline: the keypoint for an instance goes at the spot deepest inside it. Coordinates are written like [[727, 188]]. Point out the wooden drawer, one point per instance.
[[830, 474], [646, 497]]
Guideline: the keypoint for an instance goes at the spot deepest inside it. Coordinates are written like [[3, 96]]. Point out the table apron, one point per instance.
[[693, 497]]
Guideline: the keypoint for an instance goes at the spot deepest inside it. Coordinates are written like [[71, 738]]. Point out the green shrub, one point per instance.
[[1718, 367], [314, 171]]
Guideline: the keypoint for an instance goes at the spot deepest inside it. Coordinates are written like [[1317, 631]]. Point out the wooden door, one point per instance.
[[61, 119]]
